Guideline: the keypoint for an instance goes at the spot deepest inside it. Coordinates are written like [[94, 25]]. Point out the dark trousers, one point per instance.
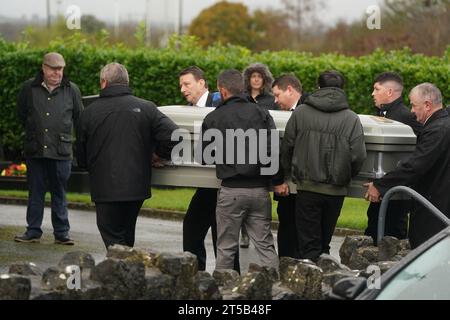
[[116, 221], [200, 216], [55, 173], [316, 216], [287, 231], [396, 223], [422, 225]]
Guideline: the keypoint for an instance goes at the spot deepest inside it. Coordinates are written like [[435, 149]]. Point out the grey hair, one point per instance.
[[115, 73], [428, 91]]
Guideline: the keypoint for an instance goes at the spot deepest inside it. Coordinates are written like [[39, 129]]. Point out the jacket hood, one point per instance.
[[328, 100], [263, 70]]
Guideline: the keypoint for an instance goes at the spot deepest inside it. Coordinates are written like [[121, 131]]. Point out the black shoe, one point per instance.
[[27, 239], [64, 241]]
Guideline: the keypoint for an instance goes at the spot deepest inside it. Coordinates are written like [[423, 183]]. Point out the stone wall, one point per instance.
[[137, 274]]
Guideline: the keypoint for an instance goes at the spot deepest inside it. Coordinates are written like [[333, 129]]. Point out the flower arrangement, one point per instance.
[[15, 170]]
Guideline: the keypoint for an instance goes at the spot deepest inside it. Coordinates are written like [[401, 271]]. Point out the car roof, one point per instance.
[[369, 294]]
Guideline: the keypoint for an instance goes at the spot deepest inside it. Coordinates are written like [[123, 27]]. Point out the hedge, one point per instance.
[[153, 72]]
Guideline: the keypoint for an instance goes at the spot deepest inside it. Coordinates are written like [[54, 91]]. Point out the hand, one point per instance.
[[156, 161], [282, 190], [372, 194]]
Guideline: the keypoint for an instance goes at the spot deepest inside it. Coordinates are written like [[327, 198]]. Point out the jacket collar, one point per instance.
[[234, 99], [303, 98], [442, 113], [39, 78], [115, 90], [393, 104]]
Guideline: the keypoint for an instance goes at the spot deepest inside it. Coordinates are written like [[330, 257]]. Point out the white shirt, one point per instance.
[[202, 101], [294, 106]]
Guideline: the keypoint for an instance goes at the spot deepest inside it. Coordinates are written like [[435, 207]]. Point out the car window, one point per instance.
[[425, 278]]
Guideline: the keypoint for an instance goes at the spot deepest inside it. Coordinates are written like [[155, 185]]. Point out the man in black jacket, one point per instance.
[[244, 193], [118, 134], [427, 170], [48, 107], [387, 96], [323, 148], [289, 94]]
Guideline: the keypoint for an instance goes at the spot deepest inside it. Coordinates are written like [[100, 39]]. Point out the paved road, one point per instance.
[[161, 235]]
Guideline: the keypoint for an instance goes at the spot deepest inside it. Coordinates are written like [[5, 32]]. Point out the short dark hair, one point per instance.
[[331, 79], [231, 80], [198, 73], [388, 76], [286, 80]]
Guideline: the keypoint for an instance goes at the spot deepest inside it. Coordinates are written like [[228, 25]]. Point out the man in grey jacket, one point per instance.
[[49, 106], [323, 148]]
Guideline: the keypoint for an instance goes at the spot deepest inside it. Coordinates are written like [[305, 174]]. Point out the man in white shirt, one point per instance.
[[201, 214], [194, 87], [288, 93]]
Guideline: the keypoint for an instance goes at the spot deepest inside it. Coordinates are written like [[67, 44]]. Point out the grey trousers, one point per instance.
[[253, 208]]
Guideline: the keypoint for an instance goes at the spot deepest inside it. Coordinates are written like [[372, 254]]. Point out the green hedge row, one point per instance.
[[153, 73]]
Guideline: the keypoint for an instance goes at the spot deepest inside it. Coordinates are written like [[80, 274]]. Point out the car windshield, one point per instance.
[[426, 278]]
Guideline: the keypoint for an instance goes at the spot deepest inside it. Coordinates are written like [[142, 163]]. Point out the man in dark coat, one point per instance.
[[427, 170], [387, 96], [243, 197], [289, 95], [117, 135], [49, 107], [323, 149]]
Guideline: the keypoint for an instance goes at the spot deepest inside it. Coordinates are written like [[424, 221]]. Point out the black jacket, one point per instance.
[[116, 138], [48, 118], [323, 144], [239, 113], [264, 100], [397, 111], [427, 171]]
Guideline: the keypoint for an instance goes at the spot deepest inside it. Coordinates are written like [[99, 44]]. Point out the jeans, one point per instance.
[[55, 174]]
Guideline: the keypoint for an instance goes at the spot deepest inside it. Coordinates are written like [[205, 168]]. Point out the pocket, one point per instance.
[[65, 144]]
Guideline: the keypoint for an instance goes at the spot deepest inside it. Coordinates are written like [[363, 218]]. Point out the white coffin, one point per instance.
[[387, 142]]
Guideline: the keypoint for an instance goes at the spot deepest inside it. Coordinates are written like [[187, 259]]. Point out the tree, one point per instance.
[[421, 25], [302, 16], [272, 29], [90, 24], [224, 22]]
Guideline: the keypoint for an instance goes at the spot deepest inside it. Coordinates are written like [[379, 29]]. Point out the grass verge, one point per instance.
[[353, 214]]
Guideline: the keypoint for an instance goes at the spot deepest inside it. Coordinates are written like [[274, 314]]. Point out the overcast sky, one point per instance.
[[161, 10]]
